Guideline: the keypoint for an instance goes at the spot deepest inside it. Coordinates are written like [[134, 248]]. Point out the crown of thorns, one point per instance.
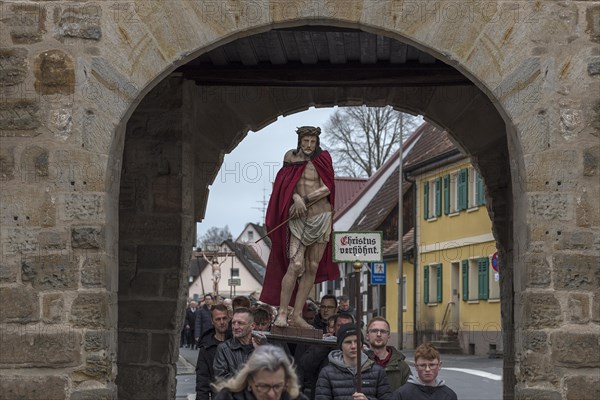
[[308, 131]]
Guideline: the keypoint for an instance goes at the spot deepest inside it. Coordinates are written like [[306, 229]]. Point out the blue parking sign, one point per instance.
[[378, 273]]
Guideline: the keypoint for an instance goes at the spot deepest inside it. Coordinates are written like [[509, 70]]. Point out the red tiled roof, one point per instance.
[[345, 190], [432, 143]]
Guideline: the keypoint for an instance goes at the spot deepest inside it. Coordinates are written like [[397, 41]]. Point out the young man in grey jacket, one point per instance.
[[427, 385]]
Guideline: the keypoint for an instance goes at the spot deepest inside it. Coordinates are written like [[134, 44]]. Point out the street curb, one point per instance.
[[184, 367]]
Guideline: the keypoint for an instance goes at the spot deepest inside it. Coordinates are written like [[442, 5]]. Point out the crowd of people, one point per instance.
[[236, 359]]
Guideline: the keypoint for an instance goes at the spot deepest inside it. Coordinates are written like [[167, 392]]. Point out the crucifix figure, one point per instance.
[[216, 271]]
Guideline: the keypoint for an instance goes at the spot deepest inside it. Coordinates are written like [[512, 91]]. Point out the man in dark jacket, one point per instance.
[[337, 380], [387, 357], [426, 386], [233, 353], [190, 320], [207, 350], [327, 308], [203, 318]]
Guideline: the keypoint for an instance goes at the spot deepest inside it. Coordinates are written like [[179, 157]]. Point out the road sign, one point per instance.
[[357, 246], [378, 273], [235, 282], [495, 262]]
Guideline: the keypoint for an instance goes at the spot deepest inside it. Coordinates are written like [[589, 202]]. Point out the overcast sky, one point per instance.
[[247, 173]]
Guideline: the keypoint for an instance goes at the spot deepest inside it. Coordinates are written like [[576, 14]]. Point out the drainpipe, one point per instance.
[[415, 260]]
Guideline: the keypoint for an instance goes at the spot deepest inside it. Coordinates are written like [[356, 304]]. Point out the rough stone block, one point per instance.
[[535, 340], [34, 160], [27, 23], [535, 367], [53, 240], [8, 271], [593, 68], [52, 272], [79, 21], [94, 394], [25, 387], [576, 272], [538, 394], [82, 206], [579, 308], [577, 240], [19, 118], [133, 348], [143, 284], [575, 349], [53, 308], [42, 349], [596, 307], [137, 314], [133, 382], [163, 348], [554, 206], [7, 163], [588, 209], [170, 285], [167, 194], [87, 237], [96, 367], [159, 257], [147, 229], [538, 270], [551, 170], [93, 272], [90, 310], [95, 341], [19, 304], [13, 66], [582, 387], [54, 73], [592, 16], [591, 159], [542, 310]]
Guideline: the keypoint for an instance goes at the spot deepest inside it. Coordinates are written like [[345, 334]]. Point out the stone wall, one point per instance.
[[72, 74]]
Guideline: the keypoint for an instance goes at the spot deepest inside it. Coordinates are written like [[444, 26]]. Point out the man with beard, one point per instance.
[[387, 357], [302, 198], [208, 349]]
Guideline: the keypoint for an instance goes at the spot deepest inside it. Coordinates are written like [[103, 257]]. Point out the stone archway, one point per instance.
[[69, 107]]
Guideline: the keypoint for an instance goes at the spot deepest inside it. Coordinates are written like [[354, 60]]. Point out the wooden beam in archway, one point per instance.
[[326, 75]]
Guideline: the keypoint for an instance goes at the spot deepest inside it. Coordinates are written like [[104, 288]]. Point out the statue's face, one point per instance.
[[308, 145]]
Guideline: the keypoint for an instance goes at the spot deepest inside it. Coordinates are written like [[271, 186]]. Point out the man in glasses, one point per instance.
[[327, 308], [426, 385], [384, 355]]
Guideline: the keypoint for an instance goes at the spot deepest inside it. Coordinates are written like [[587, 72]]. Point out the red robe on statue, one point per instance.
[[278, 212]]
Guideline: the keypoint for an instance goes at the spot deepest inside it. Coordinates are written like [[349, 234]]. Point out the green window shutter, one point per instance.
[[426, 284], [439, 283], [483, 274], [426, 200], [438, 197], [446, 194], [480, 191], [463, 189], [465, 280]]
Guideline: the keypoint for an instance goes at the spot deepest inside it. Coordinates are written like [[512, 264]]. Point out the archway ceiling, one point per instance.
[[314, 56]]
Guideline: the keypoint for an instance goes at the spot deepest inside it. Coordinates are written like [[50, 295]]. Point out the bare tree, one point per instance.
[[361, 139], [214, 237]]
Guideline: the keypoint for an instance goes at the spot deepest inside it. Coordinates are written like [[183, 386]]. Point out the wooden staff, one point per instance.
[[357, 267]]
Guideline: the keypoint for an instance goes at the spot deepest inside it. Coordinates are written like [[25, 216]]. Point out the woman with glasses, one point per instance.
[[267, 375], [427, 386]]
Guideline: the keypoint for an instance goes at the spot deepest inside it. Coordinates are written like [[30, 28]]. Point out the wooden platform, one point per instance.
[[298, 332]]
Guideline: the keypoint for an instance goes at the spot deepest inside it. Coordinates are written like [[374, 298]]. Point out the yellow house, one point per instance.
[[457, 279]]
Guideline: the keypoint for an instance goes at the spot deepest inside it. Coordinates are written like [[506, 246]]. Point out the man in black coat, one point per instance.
[[203, 318], [207, 347], [233, 353], [190, 320]]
